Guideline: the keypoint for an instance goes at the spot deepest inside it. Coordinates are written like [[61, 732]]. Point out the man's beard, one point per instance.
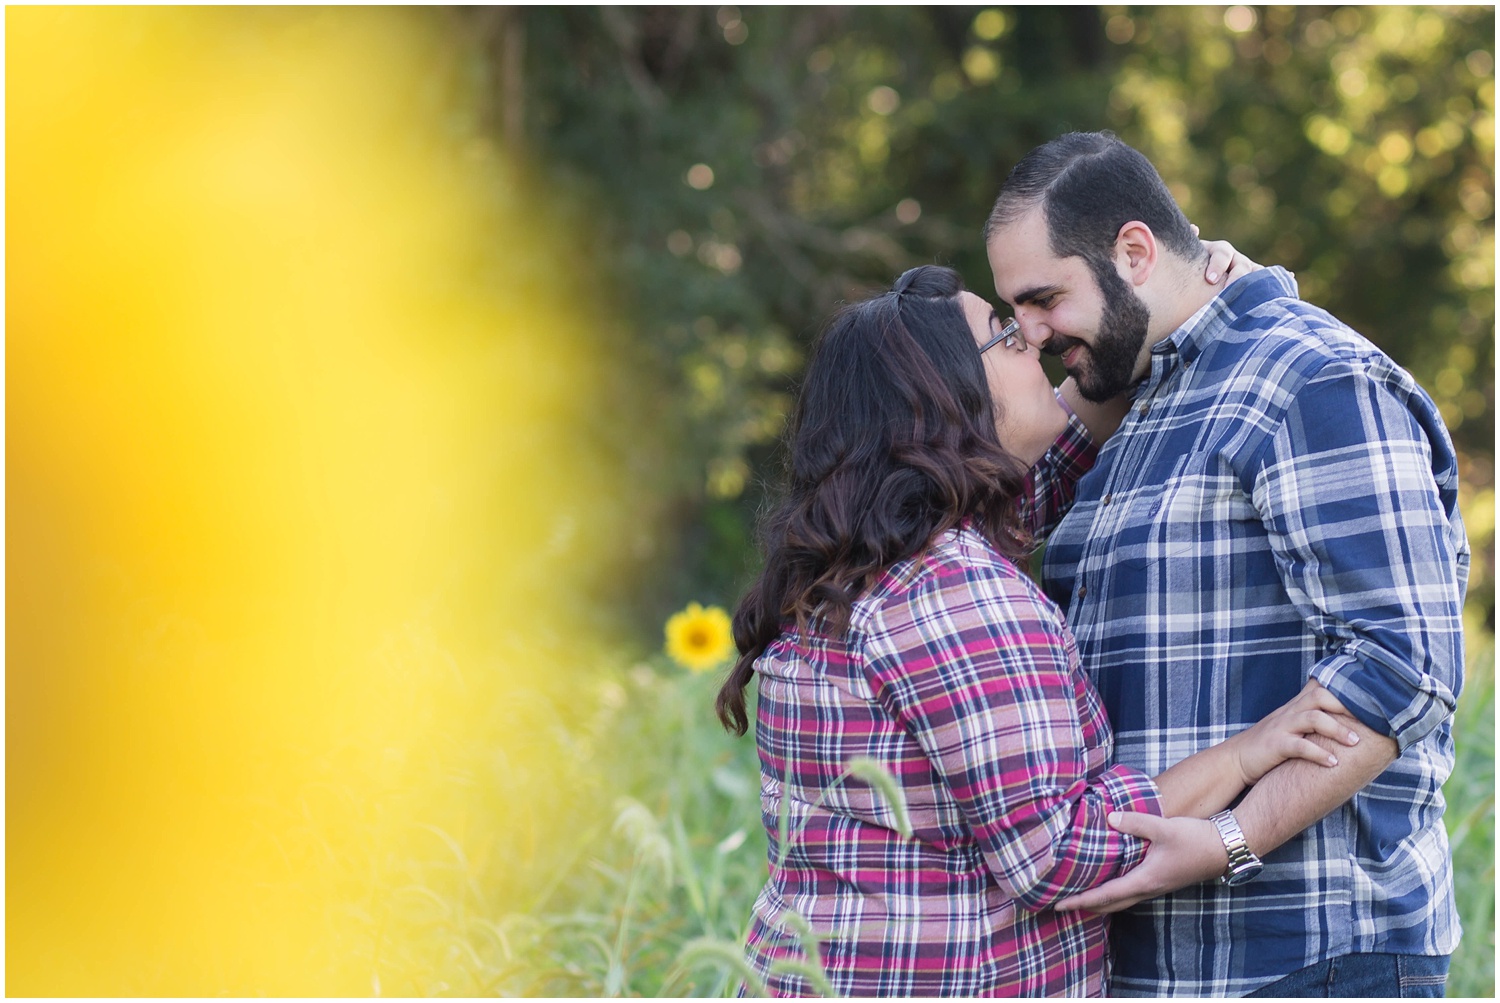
[[1111, 359]]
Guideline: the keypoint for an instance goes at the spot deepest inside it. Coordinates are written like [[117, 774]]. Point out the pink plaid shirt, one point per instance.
[[961, 679]]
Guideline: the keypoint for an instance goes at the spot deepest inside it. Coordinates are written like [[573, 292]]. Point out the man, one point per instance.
[[1277, 506]]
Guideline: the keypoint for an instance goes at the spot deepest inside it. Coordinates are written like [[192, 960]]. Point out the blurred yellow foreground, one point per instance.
[[300, 498]]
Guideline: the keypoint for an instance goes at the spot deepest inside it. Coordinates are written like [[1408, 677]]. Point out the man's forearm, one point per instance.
[[1296, 794]]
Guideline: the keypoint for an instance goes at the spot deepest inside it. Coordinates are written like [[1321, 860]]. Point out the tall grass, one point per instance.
[[1471, 827], [681, 861], [651, 891], [687, 855], [644, 850]]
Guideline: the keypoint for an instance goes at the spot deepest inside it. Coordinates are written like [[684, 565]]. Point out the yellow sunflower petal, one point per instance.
[[699, 638]]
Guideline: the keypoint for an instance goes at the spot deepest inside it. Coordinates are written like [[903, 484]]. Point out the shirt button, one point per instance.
[[1145, 408], [1083, 590], [1107, 499]]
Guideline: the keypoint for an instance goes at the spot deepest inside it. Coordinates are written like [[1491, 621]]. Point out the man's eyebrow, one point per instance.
[[1035, 292]]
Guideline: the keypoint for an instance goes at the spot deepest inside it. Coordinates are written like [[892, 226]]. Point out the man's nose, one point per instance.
[[1033, 329]]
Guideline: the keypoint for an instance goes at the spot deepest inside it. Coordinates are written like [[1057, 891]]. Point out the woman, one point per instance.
[[892, 622]]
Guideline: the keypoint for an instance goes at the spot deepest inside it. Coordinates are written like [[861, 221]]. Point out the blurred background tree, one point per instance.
[[744, 170]]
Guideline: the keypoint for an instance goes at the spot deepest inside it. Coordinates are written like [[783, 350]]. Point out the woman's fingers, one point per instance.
[[1295, 743], [1314, 696], [1221, 255], [1302, 748], [1329, 726], [1326, 700]]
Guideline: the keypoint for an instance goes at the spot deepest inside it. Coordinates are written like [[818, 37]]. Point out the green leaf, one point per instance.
[[725, 955]]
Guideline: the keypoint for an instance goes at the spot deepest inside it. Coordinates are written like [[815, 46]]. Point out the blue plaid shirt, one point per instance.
[[1280, 503]]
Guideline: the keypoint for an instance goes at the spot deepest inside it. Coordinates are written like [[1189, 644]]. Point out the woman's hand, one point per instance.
[[1183, 851], [1225, 264], [1284, 734]]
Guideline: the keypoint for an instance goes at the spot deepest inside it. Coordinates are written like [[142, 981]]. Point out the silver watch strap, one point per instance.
[[1234, 839]]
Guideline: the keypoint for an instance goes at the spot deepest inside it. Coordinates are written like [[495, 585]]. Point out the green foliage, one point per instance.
[[725, 955], [663, 909], [741, 172], [679, 863], [643, 884], [1471, 825], [1353, 145]]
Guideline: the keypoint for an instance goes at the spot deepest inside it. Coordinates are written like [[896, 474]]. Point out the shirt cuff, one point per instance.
[[1389, 698], [1128, 789]]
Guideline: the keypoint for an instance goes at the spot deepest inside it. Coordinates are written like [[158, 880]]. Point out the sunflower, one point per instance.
[[699, 638]]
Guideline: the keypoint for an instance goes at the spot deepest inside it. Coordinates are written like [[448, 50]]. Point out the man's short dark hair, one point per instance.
[[1089, 184]]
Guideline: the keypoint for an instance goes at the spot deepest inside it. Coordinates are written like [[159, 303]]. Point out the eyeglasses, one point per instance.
[[1009, 336]]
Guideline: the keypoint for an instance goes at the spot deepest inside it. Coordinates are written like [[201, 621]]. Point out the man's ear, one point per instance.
[[1136, 252]]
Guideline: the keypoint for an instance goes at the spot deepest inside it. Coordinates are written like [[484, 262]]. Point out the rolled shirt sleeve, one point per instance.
[[977, 667], [1364, 526]]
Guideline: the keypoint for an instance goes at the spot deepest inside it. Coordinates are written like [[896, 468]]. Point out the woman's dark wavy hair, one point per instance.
[[892, 442]]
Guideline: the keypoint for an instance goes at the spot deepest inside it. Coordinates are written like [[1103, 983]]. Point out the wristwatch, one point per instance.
[[1243, 865]]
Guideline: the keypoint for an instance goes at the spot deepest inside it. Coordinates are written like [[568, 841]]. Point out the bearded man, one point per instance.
[[1278, 505]]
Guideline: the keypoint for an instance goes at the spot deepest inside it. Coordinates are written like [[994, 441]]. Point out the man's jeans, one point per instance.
[[1365, 976]]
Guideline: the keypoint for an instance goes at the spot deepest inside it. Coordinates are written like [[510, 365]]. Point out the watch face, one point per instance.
[[1240, 875]]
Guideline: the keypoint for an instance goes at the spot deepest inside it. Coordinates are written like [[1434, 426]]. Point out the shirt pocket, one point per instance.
[[1161, 521], [1199, 514]]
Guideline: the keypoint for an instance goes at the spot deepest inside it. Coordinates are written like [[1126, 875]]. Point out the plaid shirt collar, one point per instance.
[[1195, 335]]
